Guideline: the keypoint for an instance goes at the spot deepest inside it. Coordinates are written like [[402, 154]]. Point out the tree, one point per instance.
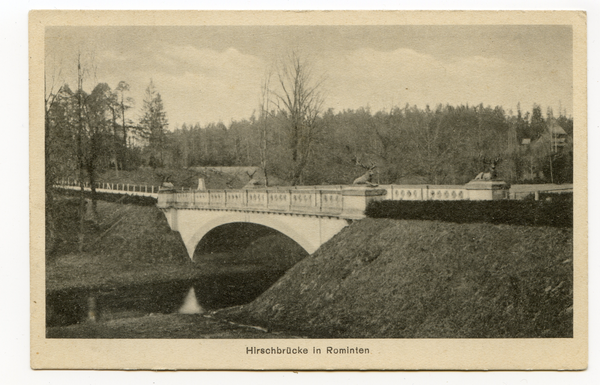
[[154, 123], [119, 105], [57, 146], [97, 107], [298, 96], [52, 99], [264, 125], [538, 125], [124, 103], [80, 124], [432, 144], [90, 124]]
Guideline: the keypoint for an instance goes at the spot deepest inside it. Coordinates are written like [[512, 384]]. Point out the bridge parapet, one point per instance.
[[332, 201], [426, 192], [325, 199], [278, 200], [341, 202], [201, 197]]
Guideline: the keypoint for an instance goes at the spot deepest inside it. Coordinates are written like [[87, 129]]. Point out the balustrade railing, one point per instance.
[[110, 187], [302, 200], [426, 192], [332, 199]]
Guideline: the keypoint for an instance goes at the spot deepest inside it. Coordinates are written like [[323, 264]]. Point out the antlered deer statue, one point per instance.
[[367, 176], [253, 182], [490, 173]]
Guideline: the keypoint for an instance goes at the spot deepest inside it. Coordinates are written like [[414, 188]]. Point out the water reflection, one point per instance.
[[92, 309], [190, 304], [205, 293]]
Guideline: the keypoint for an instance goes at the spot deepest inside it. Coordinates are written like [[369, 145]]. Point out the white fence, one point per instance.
[[115, 188]]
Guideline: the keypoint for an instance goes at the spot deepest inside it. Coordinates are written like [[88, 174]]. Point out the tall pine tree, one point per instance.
[[154, 124]]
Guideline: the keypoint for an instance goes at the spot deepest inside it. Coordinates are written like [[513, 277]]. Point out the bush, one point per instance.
[[551, 196], [555, 213]]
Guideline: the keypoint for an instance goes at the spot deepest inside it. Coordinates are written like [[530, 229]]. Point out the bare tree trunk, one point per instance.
[[263, 154], [264, 107], [298, 171], [80, 154], [115, 141], [81, 210], [299, 97], [124, 126], [92, 178]]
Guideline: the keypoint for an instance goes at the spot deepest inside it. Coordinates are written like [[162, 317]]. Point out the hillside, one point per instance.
[[126, 244], [130, 244], [384, 278]]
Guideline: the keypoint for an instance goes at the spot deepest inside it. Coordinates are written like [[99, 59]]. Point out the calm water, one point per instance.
[[212, 292]]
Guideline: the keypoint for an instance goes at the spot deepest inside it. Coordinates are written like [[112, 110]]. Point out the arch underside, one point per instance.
[[300, 234]]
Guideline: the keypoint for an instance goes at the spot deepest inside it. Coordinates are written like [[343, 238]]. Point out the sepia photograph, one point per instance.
[[309, 190]]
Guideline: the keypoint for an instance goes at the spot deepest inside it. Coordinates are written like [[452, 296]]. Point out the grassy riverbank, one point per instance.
[[122, 244], [131, 250], [384, 278], [128, 244], [162, 326]]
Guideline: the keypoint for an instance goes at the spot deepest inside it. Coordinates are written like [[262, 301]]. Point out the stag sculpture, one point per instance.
[[166, 182], [490, 173], [367, 176], [252, 182]]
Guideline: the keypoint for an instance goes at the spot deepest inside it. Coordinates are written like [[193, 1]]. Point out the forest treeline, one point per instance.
[[445, 145], [295, 140]]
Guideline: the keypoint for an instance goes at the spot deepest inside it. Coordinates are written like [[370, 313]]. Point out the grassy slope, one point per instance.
[[128, 244], [132, 244], [418, 279]]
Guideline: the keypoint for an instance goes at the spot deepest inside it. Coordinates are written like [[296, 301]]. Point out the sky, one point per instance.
[[214, 73]]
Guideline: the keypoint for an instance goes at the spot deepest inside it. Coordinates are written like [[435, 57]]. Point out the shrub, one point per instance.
[[555, 213]]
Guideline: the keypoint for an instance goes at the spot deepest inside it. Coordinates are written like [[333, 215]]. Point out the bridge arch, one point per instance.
[[271, 221]]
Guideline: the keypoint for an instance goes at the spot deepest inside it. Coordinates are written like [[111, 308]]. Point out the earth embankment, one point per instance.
[[126, 244], [123, 244], [383, 278]]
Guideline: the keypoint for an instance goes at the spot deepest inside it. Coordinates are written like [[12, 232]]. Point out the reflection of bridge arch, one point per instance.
[[269, 221], [309, 231]]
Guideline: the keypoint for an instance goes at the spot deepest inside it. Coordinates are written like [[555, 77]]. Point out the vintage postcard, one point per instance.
[[308, 190]]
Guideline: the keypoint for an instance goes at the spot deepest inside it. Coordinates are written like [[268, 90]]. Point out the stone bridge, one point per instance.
[[309, 215]]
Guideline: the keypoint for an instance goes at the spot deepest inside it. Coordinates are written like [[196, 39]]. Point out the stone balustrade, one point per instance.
[[347, 202], [426, 192], [474, 190], [334, 200], [343, 201]]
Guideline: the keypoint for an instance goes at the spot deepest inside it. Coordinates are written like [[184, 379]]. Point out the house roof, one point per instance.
[[556, 129]]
